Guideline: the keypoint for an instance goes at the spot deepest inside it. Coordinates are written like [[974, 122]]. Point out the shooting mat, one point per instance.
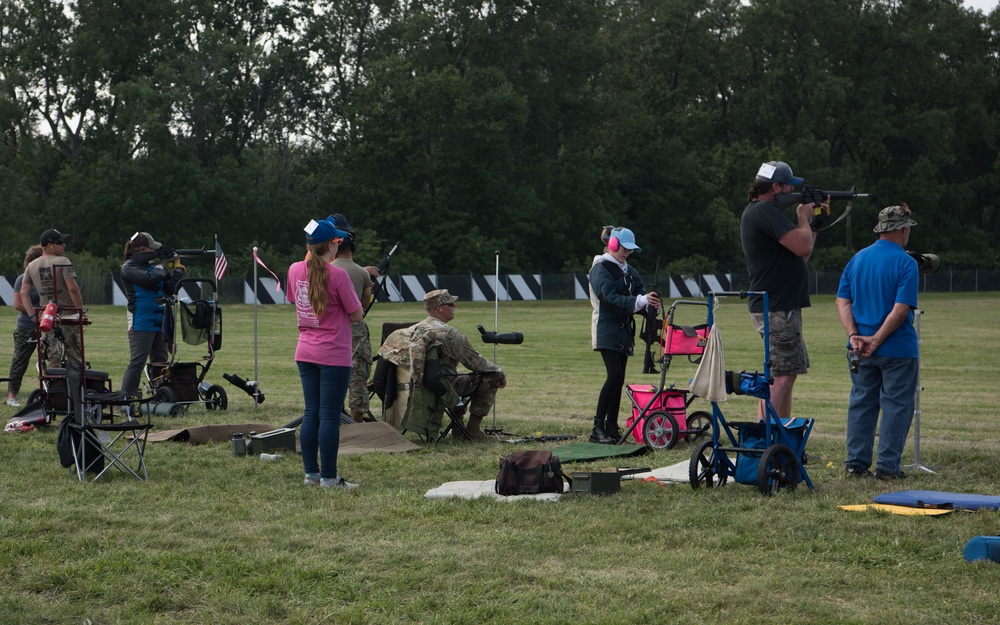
[[582, 452], [939, 499], [359, 438]]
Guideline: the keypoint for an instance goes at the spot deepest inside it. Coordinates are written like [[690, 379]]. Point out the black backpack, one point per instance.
[[529, 473]]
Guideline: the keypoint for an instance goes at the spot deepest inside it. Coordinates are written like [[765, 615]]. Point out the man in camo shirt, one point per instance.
[[454, 348]]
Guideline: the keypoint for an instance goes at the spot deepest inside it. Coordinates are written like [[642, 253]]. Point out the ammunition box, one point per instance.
[[282, 438], [596, 483]]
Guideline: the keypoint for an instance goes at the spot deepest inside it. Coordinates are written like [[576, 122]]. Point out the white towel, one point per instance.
[[709, 381]]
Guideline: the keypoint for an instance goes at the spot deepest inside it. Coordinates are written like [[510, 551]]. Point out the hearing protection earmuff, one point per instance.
[[613, 244]]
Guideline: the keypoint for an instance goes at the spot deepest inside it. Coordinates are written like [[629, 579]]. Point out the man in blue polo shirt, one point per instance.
[[875, 302]]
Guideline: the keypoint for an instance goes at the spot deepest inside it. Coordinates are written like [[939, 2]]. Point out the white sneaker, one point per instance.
[[13, 402], [337, 483], [312, 479]]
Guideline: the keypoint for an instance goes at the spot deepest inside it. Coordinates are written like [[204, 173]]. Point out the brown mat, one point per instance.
[[358, 438], [205, 433], [362, 438]]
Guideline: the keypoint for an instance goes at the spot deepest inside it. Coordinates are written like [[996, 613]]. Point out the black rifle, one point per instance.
[[814, 195], [650, 332], [379, 285], [169, 253]]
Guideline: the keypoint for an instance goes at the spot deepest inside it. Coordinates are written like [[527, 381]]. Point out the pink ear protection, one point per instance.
[[613, 244]]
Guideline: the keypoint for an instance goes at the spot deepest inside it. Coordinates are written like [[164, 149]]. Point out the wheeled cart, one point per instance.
[[769, 454]]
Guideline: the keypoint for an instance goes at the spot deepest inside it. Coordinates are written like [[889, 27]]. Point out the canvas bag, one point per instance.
[[530, 473]]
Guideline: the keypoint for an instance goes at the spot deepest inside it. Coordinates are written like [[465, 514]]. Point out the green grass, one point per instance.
[[217, 539]]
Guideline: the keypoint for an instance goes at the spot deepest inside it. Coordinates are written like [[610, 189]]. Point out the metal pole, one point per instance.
[[496, 322], [256, 374], [916, 406]]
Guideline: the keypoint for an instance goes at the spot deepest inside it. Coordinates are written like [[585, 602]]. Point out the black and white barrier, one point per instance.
[[468, 287]]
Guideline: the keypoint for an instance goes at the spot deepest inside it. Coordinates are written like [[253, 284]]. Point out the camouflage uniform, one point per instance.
[[454, 348], [361, 346]]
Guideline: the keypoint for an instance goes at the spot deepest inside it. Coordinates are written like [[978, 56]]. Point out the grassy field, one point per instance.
[[215, 539]]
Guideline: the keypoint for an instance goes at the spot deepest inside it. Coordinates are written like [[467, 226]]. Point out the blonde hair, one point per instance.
[[318, 276]]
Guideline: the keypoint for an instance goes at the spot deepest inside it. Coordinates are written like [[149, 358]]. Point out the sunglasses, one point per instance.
[[452, 305]]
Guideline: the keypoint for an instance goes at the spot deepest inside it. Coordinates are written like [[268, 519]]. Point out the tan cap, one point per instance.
[[438, 297]]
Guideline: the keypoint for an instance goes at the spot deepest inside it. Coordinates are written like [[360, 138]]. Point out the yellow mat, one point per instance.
[[903, 510]]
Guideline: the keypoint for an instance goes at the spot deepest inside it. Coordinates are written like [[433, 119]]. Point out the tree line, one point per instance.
[[461, 128]]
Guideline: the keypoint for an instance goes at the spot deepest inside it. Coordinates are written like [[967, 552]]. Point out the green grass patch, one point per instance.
[[217, 539]]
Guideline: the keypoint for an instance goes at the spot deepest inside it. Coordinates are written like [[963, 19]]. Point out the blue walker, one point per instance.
[[770, 455]]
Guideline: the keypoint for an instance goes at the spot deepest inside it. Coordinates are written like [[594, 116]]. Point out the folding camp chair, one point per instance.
[[98, 438], [427, 408]]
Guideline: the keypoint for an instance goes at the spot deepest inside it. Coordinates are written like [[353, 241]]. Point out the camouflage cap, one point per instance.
[[438, 297], [892, 218]]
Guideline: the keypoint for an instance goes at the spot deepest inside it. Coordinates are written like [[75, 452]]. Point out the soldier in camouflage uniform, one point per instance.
[[361, 346], [454, 348]]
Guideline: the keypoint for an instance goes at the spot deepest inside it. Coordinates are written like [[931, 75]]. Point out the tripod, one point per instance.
[[916, 406]]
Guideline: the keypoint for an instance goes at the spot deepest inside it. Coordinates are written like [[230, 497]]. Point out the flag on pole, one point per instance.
[[221, 265], [277, 288]]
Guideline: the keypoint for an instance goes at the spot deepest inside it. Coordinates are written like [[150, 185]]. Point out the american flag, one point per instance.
[[221, 265]]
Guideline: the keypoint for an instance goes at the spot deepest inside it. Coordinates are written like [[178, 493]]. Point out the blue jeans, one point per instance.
[[324, 388], [888, 384]]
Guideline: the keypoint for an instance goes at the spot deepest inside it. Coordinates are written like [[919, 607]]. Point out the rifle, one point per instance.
[[650, 332], [814, 195], [379, 285], [169, 253]]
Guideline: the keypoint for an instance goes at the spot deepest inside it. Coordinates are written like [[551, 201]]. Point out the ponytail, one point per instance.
[[318, 277]]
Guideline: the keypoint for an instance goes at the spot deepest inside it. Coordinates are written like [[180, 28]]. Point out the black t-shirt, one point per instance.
[[772, 266]]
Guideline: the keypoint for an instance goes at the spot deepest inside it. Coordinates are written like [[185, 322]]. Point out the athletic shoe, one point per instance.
[[312, 479], [13, 402], [882, 474], [337, 483], [855, 470]]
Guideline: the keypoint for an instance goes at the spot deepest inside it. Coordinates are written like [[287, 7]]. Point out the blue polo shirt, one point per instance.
[[876, 279]]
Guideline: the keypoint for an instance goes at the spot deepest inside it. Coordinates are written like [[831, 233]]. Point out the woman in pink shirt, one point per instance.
[[326, 304]]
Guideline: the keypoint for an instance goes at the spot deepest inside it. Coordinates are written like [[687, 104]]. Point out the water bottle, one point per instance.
[[270, 457], [239, 445], [48, 317]]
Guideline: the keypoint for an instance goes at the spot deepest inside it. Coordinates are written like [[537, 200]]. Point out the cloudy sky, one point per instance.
[[983, 5]]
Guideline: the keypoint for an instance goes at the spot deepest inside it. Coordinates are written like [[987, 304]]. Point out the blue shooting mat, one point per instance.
[[939, 499]]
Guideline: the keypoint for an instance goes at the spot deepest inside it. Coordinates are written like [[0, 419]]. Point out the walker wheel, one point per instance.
[[699, 426], [701, 470], [215, 397], [778, 468], [34, 396], [659, 430], [164, 395]]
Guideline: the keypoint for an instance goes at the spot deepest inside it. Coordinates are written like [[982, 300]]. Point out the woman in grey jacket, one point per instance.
[[621, 294]]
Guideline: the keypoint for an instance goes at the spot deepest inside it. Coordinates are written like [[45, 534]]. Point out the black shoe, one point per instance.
[[613, 432], [882, 474], [600, 436], [856, 470]]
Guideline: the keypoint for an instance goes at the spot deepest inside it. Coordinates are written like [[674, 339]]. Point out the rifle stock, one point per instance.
[[650, 328]]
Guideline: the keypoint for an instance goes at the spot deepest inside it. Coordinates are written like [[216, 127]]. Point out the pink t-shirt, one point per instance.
[[323, 340]]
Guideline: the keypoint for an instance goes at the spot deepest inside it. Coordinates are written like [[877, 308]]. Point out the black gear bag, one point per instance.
[[530, 473]]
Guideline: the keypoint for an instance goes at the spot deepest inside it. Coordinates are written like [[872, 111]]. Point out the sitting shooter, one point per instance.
[[454, 348]]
